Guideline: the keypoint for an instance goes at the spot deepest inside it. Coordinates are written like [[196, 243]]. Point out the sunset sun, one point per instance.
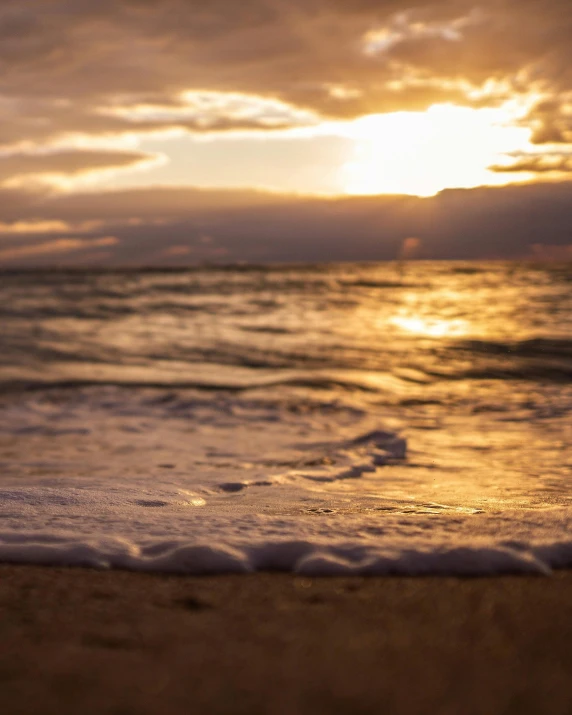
[[421, 153]]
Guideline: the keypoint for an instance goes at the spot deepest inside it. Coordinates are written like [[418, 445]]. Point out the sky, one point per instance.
[[170, 132]]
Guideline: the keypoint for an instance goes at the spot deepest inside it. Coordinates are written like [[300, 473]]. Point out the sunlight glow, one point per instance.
[[422, 153], [431, 327]]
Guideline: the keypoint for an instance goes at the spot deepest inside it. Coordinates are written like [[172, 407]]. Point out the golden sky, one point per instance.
[[119, 102]]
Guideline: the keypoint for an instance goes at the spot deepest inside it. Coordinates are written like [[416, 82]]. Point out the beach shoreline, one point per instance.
[[81, 640]]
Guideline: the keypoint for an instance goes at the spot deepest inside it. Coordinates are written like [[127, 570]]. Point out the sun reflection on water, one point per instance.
[[430, 327]]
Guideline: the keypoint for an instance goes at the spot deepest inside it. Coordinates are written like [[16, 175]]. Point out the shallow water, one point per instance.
[[324, 419]]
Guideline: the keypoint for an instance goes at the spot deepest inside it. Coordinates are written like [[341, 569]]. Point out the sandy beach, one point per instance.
[[83, 641]]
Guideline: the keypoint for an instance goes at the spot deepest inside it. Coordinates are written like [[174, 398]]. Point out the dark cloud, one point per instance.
[[551, 120], [68, 163], [181, 226], [143, 206], [63, 61], [538, 164]]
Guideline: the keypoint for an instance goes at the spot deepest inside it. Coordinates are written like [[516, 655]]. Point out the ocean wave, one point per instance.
[[214, 384], [532, 347], [382, 284], [459, 546]]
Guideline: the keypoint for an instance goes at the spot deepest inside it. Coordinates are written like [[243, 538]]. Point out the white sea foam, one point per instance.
[[164, 529], [193, 483]]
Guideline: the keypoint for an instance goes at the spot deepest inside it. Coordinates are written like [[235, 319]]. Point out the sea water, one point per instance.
[[323, 419]]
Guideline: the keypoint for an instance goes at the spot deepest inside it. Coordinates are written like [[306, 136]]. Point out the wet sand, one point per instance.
[[88, 642]]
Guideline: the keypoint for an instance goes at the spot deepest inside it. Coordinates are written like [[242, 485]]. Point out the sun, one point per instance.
[[422, 153]]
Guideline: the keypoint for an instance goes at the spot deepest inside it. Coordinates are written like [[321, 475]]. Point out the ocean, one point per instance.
[[410, 418]]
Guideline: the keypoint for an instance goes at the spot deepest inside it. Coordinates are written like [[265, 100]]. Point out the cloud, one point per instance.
[[63, 246], [79, 70], [550, 252], [410, 248], [15, 166], [34, 227], [66, 66], [402, 28], [181, 226], [551, 119], [550, 162]]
